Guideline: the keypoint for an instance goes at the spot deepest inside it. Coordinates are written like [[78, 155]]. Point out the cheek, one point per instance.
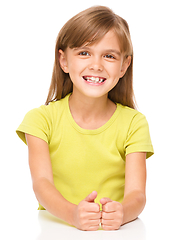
[[116, 76], [75, 66], [115, 70]]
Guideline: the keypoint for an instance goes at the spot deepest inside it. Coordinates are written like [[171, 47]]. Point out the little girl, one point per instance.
[[88, 145]]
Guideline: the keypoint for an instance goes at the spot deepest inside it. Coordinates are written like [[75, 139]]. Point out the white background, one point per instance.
[[28, 31]]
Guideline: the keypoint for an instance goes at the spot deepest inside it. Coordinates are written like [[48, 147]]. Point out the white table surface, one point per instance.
[[44, 226], [55, 228], [41, 225]]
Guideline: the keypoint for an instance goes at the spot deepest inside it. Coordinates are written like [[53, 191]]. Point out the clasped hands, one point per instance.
[[87, 215]]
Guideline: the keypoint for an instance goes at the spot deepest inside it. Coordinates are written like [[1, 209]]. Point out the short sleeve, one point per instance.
[[36, 123], [138, 138]]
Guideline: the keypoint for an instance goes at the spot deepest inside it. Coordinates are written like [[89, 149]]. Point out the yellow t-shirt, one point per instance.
[[87, 160]]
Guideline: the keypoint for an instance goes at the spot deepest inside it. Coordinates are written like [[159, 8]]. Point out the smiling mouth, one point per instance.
[[94, 79]]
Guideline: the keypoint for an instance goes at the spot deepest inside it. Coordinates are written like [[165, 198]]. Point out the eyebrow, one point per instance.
[[106, 50], [114, 51]]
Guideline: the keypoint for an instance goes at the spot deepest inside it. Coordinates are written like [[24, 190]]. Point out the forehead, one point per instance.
[[109, 40]]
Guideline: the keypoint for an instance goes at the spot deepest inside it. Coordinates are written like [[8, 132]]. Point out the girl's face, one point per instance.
[[95, 69]]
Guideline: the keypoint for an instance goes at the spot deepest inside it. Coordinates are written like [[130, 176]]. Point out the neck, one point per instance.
[[91, 113]]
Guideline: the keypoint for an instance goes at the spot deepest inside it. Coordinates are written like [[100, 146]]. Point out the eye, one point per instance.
[[84, 53], [109, 56]]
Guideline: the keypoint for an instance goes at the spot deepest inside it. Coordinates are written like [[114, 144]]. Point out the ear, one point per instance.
[[63, 61], [125, 66]]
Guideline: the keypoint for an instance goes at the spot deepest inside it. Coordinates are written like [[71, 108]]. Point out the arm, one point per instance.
[[50, 198], [135, 185], [116, 214], [42, 178]]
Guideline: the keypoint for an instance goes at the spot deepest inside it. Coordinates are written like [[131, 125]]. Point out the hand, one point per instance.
[[112, 214], [87, 215]]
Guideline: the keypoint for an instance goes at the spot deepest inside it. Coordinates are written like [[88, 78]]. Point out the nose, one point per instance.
[[96, 65]]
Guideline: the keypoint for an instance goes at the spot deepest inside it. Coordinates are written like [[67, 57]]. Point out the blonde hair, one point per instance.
[[90, 26]]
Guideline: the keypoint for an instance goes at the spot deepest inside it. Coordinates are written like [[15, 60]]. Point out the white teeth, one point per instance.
[[94, 79]]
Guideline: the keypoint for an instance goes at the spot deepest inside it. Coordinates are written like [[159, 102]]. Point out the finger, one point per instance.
[[109, 227], [91, 197], [104, 201], [109, 207], [95, 222], [92, 207], [108, 222], [95, 216], [108, 216], [93, 228], [93, 225]]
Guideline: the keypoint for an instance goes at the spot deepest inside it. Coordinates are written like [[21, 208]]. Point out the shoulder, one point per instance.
[[137, 131], [129, 115], [40, 121], [132, 122], [48, 111]]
